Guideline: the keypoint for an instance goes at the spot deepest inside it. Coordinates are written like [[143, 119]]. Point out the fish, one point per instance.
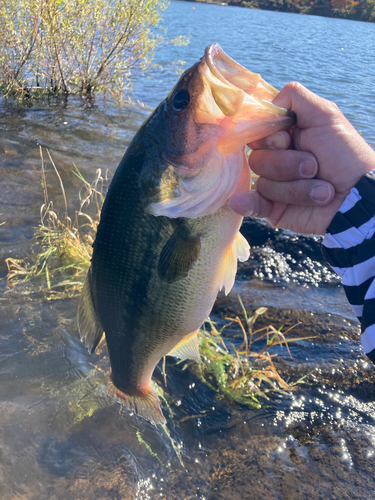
[[168, 241]]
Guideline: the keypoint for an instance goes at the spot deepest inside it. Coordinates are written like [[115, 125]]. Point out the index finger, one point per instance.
[[310, 109]]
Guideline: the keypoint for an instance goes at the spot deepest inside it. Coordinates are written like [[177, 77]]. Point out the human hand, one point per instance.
[[302, 188]]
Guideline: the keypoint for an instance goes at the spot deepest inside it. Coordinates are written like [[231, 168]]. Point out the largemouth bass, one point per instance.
[[168, 241]]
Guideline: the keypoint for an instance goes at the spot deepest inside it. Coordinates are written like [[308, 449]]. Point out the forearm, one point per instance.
[[349, 247]]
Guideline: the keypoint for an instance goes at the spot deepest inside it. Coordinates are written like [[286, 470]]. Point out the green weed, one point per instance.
[[243, 374]]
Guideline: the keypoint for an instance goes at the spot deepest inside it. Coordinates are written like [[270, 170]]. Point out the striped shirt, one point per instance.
[[349, 247]]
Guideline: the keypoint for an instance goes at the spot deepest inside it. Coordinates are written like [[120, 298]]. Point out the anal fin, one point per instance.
[[188, 348], [89, 324]]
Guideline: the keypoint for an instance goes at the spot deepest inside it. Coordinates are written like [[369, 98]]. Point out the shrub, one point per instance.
[[79, 46]]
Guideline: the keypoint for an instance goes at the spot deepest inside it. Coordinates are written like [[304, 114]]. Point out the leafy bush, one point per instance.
[[78, 46]]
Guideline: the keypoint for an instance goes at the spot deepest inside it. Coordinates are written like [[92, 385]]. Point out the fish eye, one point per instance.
[[180, 100]]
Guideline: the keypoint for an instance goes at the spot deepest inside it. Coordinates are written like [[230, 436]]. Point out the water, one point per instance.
[[332, 57], [61, 437]]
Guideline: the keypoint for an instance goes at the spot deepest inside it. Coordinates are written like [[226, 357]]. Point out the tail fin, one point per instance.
[[146, 406]]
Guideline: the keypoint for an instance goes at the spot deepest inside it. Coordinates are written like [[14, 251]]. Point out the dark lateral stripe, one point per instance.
[[371, 355], [349, 257], [368, 314], [356, 294], [361, 213]]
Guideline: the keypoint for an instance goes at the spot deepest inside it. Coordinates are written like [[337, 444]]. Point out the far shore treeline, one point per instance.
[[362, 10]]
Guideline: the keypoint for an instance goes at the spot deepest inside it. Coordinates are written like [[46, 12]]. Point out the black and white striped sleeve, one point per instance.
[[349, 247]]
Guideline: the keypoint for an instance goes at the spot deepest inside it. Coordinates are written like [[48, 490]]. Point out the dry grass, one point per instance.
[[244, 374], [66, 243]]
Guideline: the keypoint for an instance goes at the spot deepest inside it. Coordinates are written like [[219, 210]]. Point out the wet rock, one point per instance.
[[282, 257]]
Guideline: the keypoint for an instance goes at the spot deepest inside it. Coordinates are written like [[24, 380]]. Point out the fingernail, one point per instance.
[[321, 193], [277, 141], [308, 167]]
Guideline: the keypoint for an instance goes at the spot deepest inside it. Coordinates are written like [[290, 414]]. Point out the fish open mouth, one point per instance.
[[232, 83], [229, 71]]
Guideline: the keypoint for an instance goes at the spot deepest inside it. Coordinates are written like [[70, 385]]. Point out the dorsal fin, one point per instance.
[[89, 325], [188, 348], [179, 254]]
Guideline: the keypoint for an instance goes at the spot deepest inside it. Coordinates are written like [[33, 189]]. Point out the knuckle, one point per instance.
[[330, 110], [334, 108], [295, 87]]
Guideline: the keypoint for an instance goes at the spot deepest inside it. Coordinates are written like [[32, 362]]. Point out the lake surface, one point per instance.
[[61, 437], [332, 57]]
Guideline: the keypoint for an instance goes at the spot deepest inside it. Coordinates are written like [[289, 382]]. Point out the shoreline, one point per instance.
[[362, 10]]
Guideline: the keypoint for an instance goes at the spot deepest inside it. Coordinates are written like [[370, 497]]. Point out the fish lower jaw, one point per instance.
[[145, 404]]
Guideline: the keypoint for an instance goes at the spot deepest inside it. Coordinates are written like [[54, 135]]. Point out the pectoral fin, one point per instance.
[[179, 254], [240, 250], [242, 247], [228, 269], [188, 348], [89, 324]]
